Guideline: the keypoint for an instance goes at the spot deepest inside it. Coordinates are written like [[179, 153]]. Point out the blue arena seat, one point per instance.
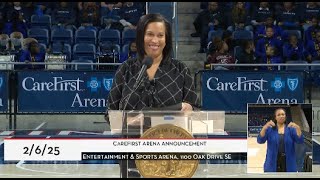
[[214, 33], [84, 50], [43, 47], [40, 34], [128, 35], [62, 35], [82, 67], [56, 48], [43, 21], [86, 36], [287, 33], [109, 35], [242, 34], [297, 68], [125, 48]]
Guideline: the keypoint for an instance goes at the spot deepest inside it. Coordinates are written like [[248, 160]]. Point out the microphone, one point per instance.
[[147, 62]]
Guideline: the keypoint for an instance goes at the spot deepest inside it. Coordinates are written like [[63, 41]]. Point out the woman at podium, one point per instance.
[[153, 79]]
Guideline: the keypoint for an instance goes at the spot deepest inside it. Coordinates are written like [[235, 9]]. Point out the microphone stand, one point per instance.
[[125, 129]]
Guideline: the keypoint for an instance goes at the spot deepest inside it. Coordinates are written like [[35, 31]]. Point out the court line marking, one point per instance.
[[18, 165], [3, 141]]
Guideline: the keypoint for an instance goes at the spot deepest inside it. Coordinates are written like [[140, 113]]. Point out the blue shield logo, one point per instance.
[[107, 83], [1, 80], [292, 83]]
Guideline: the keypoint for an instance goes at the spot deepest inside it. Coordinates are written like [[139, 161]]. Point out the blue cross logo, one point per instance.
[[277, 84], [94, 84]]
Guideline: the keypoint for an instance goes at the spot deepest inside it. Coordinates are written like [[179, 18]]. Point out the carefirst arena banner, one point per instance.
[[3, 92], [57, 91], [232, 90]]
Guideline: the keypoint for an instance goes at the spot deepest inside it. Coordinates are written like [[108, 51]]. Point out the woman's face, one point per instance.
[[225, 47], [269, 32], [318, 36], [133, 47], [240, 5], [293, 40], [280, 116], [155, 39]]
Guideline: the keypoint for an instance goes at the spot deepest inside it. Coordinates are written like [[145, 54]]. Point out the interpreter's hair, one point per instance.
[[144, 21]]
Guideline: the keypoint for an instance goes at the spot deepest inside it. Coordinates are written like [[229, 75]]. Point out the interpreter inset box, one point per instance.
[[279, 138]]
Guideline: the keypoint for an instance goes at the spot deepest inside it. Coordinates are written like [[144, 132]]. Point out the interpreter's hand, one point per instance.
[[136, 120], [186, 107], [269, 124], [293, 125]]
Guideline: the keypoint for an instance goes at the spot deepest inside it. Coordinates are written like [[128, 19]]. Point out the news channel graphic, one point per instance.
[[77, 149], [259, 114], [161, 156]]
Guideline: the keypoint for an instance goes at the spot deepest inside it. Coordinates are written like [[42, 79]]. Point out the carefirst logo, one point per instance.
[[240, 84], [260, 86], [57, 84]]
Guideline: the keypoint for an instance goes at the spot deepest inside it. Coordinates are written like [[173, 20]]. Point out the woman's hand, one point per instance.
[[297, 127], [269, 124], [186, 107], [265, 127], [294, 125], [136, 120]]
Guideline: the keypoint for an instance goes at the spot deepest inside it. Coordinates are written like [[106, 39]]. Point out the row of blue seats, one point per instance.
[[82, 36], [86, 50], [248, 35]]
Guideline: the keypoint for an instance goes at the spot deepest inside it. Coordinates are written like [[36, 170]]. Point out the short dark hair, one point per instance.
[[141, 29], [246, 43], [32, 43]]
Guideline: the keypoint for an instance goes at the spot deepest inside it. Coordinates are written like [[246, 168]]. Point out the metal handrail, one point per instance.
[[84, 63], [174, 10], [147, 8], [280, 64], [57, 63]]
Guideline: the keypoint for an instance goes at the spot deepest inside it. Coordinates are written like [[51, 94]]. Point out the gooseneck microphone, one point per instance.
[[146, 64]]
